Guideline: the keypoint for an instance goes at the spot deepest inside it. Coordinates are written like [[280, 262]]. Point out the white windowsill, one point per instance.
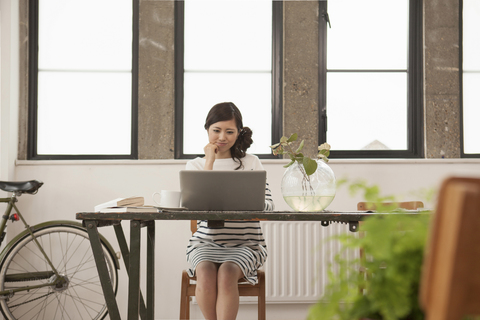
[[264, 161]]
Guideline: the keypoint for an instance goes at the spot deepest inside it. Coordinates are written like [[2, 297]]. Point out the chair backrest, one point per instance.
[[450, 284], [193, 226], [408, 205]]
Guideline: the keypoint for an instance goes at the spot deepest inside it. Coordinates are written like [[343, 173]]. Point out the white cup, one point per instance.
[[167, 198]]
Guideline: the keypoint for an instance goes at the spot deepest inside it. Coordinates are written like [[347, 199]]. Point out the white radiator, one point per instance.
[[298, 257]]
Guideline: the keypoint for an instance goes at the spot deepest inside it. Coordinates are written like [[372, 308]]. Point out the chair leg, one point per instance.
[[261, 296], [187, 308], [184, 299]]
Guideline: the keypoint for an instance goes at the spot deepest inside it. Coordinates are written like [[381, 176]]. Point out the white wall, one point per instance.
[[8, 87], [72, 187]]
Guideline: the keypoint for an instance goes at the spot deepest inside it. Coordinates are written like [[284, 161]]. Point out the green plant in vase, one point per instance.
[[308, 184]]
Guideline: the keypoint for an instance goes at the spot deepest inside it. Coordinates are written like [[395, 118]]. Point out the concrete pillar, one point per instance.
[[442, 91]]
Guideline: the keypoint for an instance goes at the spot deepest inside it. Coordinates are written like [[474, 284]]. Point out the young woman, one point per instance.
[[219, 257]]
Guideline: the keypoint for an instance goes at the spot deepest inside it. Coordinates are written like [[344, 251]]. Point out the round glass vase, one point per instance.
[[308, 193]]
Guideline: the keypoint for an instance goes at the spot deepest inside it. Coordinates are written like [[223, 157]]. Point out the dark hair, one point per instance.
[[226, 111]]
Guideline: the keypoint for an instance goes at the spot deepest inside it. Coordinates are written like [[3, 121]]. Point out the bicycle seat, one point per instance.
[[30, 187]]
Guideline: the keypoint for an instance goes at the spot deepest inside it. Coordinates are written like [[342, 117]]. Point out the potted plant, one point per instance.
[[307, 184], [384, 284]]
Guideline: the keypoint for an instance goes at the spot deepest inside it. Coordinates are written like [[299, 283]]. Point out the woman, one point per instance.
[[219, 257]]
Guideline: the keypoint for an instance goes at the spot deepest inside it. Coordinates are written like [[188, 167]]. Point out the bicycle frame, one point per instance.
[[30, 276], [3, 223]]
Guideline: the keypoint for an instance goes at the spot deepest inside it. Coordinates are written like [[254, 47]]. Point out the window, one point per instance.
[[82, 100], [370, 78], [470, 80], [220, 57]]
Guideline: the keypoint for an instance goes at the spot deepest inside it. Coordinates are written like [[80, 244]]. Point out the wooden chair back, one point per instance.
[[408, 205], [193, 226], [450, 284]]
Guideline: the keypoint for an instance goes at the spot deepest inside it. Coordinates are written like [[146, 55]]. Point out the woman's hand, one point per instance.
[[210, 152]]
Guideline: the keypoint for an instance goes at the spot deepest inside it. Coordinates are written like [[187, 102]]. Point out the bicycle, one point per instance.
[[48, 271]]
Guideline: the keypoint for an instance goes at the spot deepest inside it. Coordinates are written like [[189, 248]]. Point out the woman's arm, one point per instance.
[[269, 205]]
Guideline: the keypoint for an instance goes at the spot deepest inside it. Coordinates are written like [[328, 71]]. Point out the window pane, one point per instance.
[[471, 112], [471, 76], [369, 34], [84, 77], [226, 59], [471, 40], [246, 90], [367, 111], [228, 35], [84, 113], [85, 35]]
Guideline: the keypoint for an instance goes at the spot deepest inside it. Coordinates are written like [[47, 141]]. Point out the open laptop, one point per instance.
[[204, 190]]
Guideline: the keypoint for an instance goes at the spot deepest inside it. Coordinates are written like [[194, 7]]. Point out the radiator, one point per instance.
[[298, 257]]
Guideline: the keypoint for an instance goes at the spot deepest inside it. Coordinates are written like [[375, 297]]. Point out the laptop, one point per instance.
[[205, 190]]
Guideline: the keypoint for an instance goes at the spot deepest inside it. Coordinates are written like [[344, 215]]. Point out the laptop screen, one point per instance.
[[214, 190]]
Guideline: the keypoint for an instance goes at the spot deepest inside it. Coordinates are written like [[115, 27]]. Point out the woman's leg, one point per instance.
[[206, 291], [227, 290]]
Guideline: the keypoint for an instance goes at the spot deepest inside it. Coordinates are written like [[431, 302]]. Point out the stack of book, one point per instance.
[[131, 204]]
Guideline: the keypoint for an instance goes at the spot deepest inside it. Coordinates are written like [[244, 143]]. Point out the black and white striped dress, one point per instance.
[[240, 242]]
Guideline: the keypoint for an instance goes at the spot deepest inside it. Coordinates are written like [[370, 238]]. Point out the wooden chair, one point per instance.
[[244, 289], [408, 205], [450, 284]]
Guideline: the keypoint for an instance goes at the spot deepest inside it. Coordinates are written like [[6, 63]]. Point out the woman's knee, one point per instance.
[[206, 273], [228, 274]]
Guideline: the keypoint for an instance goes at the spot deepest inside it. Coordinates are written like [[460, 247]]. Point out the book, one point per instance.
[[121, 202], [128, 209]]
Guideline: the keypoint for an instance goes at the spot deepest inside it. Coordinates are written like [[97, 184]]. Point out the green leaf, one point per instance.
[[293, 137], [289, 164], [283, 139], [299, 158], [300, 147], [275, 145], [325, 152], [309, 165]]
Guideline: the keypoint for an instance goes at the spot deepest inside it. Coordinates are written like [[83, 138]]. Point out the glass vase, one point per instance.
[[308, 193]]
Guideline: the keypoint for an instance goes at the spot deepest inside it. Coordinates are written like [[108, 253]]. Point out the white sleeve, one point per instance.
[[269, 205], [194, 165], [257, 164]]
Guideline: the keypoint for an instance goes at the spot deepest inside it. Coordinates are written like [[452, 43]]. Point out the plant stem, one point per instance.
[[306, 183]]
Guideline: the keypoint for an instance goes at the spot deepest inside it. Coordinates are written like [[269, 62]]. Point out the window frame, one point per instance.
[[32, 154], [277, 78], [460, 68], [415, 134]]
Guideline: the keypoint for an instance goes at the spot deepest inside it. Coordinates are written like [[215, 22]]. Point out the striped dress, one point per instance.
[[240, 242]]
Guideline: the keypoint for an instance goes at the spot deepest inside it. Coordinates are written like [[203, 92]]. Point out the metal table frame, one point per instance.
[[136, 303]]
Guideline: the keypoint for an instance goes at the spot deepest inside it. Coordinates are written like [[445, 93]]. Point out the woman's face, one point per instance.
[[223, 134]]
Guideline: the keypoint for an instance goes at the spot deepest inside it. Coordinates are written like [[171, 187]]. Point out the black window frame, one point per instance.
[[32, 154], [415, 134], [460, 68], [277, 78]]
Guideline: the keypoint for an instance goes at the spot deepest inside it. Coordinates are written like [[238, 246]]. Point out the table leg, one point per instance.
[[122, 242], [151, 270], [105, 280], [134, 271]]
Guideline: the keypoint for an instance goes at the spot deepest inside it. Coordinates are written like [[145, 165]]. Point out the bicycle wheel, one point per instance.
[[80, 296]]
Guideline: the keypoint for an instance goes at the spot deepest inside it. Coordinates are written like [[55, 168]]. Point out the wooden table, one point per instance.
[[136, 304]]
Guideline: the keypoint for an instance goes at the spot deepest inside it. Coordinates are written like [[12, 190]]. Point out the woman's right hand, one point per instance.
[[210, 151]]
